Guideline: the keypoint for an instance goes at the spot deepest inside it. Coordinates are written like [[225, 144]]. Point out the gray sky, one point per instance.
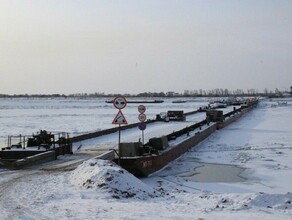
[[132, 46]]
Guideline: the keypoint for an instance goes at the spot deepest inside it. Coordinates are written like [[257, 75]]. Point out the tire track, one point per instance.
[[13, 207]]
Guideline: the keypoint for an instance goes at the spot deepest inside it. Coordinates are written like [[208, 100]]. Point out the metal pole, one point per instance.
[[119, 144], [143, 137]]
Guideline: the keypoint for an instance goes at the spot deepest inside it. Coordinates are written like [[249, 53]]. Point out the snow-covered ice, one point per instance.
[[75, 116], [259, 144]]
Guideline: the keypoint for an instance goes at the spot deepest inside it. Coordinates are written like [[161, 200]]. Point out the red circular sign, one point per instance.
[[120, 102], [142, 117], [141, 109]]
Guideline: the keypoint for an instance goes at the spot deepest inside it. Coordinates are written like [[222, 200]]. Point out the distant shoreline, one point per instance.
[[80, 96]]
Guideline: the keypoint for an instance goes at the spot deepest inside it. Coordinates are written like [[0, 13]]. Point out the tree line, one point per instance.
[[218, 92]]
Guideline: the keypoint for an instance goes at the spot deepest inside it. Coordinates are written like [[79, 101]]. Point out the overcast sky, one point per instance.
[[133, 46]]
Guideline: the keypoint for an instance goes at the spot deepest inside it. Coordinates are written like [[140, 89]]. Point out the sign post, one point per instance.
[[142, 127], [120, 102], [142, 119]]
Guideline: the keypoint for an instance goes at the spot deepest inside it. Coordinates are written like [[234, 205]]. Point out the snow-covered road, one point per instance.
[[155, 129]]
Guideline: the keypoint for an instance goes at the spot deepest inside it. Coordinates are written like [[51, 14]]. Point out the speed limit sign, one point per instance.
[[142, 117]]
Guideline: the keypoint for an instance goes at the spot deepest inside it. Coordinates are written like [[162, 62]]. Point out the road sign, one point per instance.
[[142, 126], [120, 119], [142, 117], [141, 109], [120, 102]]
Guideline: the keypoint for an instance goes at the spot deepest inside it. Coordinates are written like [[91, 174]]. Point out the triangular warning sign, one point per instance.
[[120, 119]]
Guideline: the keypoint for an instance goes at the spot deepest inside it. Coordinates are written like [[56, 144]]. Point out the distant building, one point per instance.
[[286, 94]]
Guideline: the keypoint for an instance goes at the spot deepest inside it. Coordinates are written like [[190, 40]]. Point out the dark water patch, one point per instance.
[[214, 173]]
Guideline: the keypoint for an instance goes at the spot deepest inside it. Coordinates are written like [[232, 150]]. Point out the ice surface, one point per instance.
[[72, 115]]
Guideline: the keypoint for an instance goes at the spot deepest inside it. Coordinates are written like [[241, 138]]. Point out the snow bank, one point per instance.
[[275, 201], [105, 175]]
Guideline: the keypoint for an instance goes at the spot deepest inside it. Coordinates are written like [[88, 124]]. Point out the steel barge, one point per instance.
[[157, 153]]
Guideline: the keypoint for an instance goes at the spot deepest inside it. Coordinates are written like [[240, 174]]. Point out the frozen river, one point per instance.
[[75, 116]]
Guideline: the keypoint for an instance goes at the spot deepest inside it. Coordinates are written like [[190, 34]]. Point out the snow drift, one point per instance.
[[95, 174]]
